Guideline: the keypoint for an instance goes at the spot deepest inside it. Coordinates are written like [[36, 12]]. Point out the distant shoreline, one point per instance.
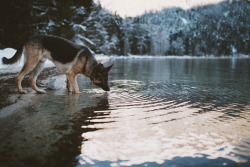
[[174, 56]]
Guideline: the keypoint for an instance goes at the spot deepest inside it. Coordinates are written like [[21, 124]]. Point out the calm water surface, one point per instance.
[[159, 112]]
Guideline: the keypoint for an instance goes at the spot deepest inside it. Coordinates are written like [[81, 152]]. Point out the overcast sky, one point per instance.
[[137, 7]]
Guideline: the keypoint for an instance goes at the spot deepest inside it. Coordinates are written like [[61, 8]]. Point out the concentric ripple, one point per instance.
[[151, 127]]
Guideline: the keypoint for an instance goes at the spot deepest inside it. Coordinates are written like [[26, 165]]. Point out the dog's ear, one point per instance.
[[108, 68], [99, 66]]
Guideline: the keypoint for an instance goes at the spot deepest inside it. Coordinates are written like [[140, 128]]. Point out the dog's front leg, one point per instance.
[[72, 81], [75, 85], [69, 86]]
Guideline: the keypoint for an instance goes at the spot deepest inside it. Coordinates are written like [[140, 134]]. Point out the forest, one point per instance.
[[218, 29]]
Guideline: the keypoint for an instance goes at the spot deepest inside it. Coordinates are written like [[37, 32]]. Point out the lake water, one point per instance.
[[159, 112]]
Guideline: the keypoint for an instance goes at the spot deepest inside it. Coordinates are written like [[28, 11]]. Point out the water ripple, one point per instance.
[[146, 127], [172, 116]]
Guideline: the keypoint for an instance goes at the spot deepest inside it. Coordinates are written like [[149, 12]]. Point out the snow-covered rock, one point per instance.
[[58, 82]]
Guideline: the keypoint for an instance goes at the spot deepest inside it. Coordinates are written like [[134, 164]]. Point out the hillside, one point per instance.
[[219, 29]]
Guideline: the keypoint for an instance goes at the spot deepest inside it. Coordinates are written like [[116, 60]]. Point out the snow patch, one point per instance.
[[58, 82], [16, 67], [85, 39], [8, 53], [102, 58], [226, 13], [80, 26], [184, 20]]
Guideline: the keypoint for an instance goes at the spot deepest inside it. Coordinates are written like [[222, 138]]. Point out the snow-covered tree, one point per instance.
[[218, 29]]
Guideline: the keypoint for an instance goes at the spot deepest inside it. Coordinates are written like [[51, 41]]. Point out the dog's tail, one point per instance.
[[15, 58]]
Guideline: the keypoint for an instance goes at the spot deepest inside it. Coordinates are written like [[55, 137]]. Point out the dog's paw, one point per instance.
[[77, 92], [23, 92], [41, 92]]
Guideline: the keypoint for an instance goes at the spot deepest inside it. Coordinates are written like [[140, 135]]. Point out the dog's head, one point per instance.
[[99, 76]]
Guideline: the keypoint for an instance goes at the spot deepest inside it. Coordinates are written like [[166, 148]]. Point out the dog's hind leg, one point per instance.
[[28, 66], [32, 55], [34, 75]]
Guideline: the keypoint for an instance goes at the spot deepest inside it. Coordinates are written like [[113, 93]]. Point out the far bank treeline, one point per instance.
[[219, 29]]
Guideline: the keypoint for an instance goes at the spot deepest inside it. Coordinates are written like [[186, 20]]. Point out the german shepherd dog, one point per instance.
[[68, 57]]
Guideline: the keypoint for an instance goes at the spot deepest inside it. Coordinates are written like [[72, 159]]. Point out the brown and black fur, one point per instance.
[[69, 58]]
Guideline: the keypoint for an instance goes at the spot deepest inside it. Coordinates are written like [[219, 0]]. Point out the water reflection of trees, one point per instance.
[[68, 147]]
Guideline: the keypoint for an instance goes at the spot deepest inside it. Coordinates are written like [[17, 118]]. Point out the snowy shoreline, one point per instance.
[[172, 57], [9, 52]]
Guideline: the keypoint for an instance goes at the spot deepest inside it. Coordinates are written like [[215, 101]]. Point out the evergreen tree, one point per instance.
[[16, 21]]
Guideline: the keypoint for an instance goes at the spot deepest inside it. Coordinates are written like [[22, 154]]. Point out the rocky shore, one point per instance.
[[9, 94]]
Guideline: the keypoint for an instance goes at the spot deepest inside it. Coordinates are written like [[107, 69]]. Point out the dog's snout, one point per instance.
[[106, 88]]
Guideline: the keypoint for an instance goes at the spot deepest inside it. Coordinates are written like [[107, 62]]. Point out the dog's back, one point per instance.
[[61, 50]]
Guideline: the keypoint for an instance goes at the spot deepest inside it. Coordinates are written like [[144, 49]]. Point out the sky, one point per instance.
[[137, 7]]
